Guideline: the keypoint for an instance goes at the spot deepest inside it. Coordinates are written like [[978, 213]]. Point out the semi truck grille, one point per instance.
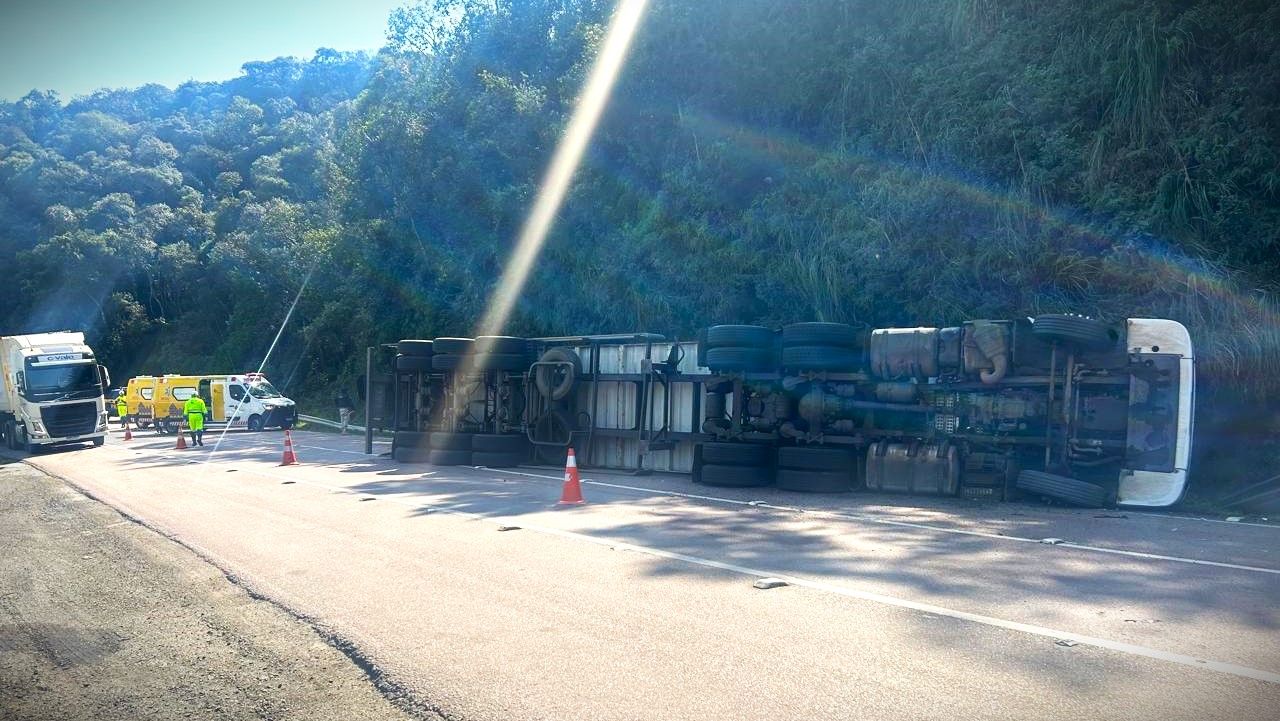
[[73, 419]]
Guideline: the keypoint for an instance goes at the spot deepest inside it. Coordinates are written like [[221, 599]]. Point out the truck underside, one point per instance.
[[1062, 407]]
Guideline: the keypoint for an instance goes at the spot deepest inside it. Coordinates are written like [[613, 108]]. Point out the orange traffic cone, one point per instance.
[[181, 445], [128, 433], [289, 458], [572, 486]]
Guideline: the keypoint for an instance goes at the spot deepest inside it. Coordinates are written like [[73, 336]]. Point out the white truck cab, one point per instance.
[[1160, 414], [52, 391]]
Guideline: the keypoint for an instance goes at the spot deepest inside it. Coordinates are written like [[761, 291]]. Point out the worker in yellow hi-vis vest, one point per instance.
[[194, 409], [122, 409]]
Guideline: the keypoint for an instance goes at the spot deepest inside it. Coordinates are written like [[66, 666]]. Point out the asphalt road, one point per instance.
[[478, 594]]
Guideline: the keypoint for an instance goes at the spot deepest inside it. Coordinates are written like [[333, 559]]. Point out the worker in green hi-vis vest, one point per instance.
[[194, 410]]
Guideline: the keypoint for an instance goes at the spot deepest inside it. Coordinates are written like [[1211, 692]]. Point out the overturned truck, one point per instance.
[[1059, 406]]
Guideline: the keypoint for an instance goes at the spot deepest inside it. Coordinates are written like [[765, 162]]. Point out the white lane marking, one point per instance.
[[1128, 648], [920, 526], [337, 450], [1175, 517]]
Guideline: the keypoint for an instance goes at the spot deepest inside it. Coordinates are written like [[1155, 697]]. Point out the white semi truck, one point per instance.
[[51, 391]]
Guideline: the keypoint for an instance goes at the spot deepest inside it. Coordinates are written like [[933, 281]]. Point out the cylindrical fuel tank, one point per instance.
[[921, 468], [949, 344], [896, 392], [901, 353]]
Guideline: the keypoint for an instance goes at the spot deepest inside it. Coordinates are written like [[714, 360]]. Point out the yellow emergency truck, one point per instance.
[[244, 400]]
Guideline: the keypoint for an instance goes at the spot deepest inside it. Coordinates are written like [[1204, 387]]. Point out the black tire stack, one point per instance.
[[501, 353], [816, 470], [821, 347], [735, 465], [748, 348], [450, 354], [413, 356], [485, 353], [499, 451], [461, 449], [410, 447], [449, 449]]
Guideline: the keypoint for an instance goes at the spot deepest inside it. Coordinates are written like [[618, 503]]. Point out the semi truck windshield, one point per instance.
[[1153, 415], [72, 379]]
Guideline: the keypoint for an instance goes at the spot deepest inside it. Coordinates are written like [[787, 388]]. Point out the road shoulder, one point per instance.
[[102, 618]]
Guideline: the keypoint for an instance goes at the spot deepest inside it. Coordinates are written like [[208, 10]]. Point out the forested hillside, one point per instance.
[[765, 161]]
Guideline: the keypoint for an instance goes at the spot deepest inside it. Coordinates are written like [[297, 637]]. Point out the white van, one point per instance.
[[245, 400]]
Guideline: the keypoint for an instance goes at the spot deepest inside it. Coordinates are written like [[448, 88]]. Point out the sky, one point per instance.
[[78, 46]]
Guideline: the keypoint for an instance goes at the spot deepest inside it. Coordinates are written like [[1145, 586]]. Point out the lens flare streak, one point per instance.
[[564, 164]]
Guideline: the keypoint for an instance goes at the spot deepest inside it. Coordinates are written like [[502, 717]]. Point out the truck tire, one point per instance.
[[98, 442], [8, 436], [820, 357], [441, 457], [737, 454], [735, 476], [452, 346], [254, 424], [499, 443], [803, 458], [735, 358], [450, 441], [791, 479], [556, 382], [500, 344], [412, 455], [553, 427], [739, 336], [447, 361], [1072, 329], [1063, 488], [501, 361], [496, 460], [409, 439], [415, 347], [409, 447], [840, 335], [413, 363]]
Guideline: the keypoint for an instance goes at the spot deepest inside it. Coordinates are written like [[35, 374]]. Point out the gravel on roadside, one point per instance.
[[104, 619]]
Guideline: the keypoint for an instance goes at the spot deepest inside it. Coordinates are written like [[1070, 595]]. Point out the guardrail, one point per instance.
[[329, 423]]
